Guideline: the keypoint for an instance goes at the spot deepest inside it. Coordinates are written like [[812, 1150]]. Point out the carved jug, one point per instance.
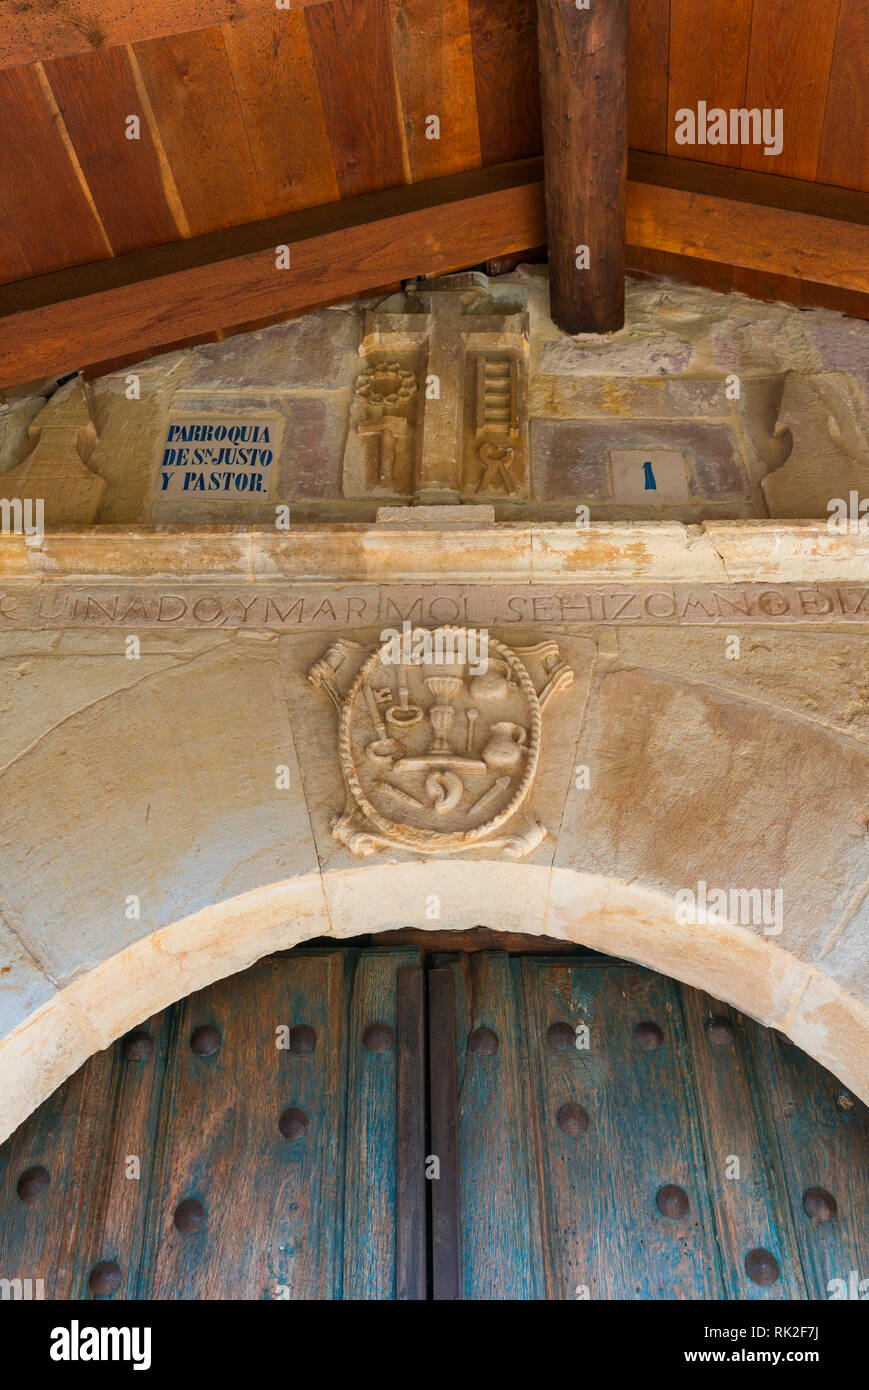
[[504, 750]]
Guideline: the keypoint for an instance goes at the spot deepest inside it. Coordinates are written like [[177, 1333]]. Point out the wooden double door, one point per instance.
[[376, 1123]]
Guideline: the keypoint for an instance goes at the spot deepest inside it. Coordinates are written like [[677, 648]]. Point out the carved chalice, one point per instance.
[[442, 715], [440, 755]]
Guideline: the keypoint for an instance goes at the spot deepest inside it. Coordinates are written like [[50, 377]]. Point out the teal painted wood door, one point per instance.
[[347, 1123], [621, 1136]]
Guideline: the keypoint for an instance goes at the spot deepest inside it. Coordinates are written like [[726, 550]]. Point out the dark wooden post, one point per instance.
[[583, 84]]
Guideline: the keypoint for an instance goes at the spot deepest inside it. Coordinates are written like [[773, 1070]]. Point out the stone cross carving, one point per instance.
[[442, 393]]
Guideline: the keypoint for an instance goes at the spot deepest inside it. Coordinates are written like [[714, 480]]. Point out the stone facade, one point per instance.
[[170, 815], [463, 390], [205, 755]]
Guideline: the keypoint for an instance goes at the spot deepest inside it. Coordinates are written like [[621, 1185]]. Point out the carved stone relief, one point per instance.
[[384, 418], [823, 417], [56, 468], [440, 756], [439, 409]]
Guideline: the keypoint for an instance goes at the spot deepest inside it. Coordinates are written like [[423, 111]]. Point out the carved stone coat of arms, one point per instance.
[[439, 753]]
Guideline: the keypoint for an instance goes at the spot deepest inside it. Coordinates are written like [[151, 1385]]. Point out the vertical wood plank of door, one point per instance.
[[500, 1244], [750, 1208], [118, 1228], [372, 1137], [253, 1132], [94, 1139], [411, 1234], [605, 1234], [446, 1237], [65, 1138], [823, 1136]]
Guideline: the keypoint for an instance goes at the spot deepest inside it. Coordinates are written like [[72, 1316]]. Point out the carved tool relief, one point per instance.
[[384, 420], [439, 409], [497, 433], [440, 757]]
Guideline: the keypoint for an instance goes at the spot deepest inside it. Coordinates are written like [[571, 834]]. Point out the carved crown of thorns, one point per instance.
[[387, 383]]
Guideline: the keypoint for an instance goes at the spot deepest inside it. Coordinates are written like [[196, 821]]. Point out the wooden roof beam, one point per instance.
[[276, 268], [584, 106], [229, 280]]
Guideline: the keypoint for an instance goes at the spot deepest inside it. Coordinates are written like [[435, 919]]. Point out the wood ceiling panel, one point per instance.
[[708, 62], [504, 34], [789, 68], [43, 29], [40, 188], [845, 145], [96, 92], [434, 64], [192, 93], [244, 119], [273, 68], [227, 279], [352, 51], [648, 59], [14, 265]]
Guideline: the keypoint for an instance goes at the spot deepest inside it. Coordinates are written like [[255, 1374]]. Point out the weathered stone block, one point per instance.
[[563, 464], [310, 353], [310, 462], [571, 459]]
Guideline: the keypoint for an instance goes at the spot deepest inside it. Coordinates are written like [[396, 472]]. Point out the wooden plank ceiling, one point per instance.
[[291, 109]]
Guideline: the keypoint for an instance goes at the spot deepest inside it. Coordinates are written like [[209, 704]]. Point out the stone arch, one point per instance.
[[164, 770], [756, 975]]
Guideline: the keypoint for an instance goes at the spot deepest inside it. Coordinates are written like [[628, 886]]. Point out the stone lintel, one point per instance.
[[793, 552]]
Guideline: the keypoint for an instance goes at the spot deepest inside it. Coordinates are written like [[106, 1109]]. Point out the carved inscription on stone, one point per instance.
[[297, 607], [440, 756]]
